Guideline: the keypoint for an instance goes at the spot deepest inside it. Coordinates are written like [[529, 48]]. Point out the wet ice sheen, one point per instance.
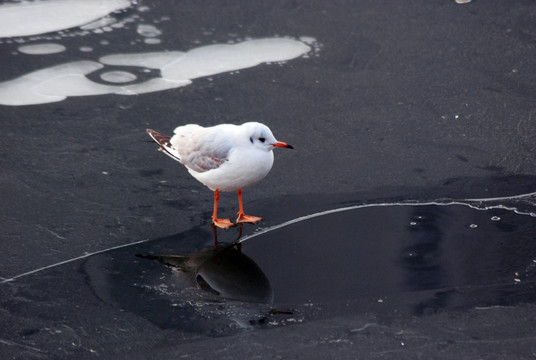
[[38, 17], [177, 69]]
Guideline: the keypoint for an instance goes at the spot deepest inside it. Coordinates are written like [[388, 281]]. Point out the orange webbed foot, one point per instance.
[[243, 218], [222, 223]]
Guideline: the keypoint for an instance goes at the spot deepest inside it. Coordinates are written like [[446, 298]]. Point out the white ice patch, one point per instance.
[[41, 49], [152, 41], [38, 17], [148, 30], [24, 90], [308, 40], [212, 59], [105, 21], [151, 60], [118, 76], [215, 59], [177, 69]]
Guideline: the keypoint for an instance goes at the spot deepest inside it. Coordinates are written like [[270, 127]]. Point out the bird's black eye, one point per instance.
[[251, 139], [261, 139]]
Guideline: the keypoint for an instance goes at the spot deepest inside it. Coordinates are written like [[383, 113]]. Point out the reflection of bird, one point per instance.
[[224, 158], [223, 270]]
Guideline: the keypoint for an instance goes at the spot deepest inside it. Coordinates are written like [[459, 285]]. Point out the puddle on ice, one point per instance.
[[41, 49], [418, 258], [222, 270], [176, 68], [412, 258], [215, 291], [38, 17]]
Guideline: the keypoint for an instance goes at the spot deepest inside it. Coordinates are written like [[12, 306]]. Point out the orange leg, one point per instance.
[[243, 218], [221, 223]]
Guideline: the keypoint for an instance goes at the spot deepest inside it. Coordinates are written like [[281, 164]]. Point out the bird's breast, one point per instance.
[[242, 169]]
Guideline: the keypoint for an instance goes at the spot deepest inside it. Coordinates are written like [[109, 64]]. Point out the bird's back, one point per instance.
[[202, 149], [187, 130]]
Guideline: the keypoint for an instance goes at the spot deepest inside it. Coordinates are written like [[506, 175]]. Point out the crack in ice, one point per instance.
[[261, 231]]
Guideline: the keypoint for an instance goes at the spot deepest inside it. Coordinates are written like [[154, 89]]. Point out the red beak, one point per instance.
[[282, 145]]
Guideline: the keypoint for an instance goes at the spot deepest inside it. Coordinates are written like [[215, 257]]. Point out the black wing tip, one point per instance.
[[152, 133], [161, 139]]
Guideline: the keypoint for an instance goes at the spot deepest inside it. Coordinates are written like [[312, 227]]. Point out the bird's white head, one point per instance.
[[260, 136]]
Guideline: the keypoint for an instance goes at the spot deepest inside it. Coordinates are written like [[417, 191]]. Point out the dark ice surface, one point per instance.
[[402, 226], [433, 280]]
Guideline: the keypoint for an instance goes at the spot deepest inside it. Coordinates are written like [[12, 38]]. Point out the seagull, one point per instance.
[[224, 157]]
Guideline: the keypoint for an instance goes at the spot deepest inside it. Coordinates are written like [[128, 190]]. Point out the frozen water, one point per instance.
[[105, 21], [39, 17], [57, 82], [42, 49], [118, 76], [23, 90], [177, 69], [214, 59], [152, 60], [152, 41], [148, 30]]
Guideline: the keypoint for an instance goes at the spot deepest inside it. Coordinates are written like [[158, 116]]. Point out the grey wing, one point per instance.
[[201, 151]]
